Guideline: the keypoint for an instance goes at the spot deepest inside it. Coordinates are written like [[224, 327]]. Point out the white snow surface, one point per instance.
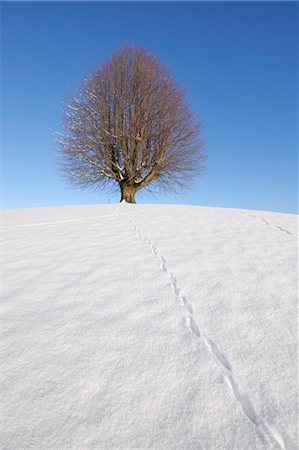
[[149, 326]]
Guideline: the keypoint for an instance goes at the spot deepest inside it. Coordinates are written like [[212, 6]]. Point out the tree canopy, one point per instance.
[[130, 126]]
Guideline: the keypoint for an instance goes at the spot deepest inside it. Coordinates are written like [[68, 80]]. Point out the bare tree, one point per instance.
[[130, 126]]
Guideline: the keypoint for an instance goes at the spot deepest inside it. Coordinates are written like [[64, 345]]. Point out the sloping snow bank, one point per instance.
[[149, 326]]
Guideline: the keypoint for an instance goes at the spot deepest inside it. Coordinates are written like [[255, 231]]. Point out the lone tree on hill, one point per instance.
[[131, 127]]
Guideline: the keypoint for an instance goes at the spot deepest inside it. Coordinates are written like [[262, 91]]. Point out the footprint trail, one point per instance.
[[270, 224], [263, 430]]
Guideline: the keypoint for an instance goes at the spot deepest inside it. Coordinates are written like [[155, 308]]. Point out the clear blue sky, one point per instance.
[[237, 62]]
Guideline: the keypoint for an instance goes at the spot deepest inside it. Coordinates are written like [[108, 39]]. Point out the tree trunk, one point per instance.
[[128, 192]]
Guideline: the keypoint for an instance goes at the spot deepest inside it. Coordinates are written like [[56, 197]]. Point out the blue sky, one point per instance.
[[236, 60]]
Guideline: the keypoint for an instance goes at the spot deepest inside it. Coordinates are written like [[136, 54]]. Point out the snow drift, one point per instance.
[[149, 326]]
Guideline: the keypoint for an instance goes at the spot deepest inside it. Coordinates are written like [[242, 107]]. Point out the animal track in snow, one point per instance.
[[163, 267], [78, 219], [163, 264], [184, 302], [243, 400], [217, 353], [57, 222], [268, 223], [208, 343], [262, 429], [285, 231], [194, 328]]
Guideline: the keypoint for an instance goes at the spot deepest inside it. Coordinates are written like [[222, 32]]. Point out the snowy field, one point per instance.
[[149, 326]]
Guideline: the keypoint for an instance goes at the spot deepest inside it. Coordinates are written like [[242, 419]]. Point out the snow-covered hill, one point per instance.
[[149, 326]]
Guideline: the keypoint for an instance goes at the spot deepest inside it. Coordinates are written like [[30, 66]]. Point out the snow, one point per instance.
[[149, 326], [72, 107]]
